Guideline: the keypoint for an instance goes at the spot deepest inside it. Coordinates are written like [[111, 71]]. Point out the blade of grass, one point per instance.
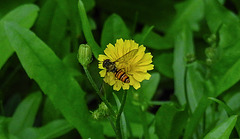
[[87, 30]]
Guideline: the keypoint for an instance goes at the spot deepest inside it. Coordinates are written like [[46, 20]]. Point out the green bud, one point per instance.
[[84, 55], [212, 38], [101, 112], [190, 58], [210, 52]]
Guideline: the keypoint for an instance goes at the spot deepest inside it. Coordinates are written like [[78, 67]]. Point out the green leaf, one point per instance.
[[3, 127], [25, 113], [194, 119], [189, 13], [51, 26], [223, 130], [7, 6], [25, 16], [149, 87], [194, 85], [50, 113], [53, 129], [226, 107], [114, 28], [216, 15], [170, 121], [224, 71], [163, 63], [152, 40], [87, 30], [183, 47], [42, 65]]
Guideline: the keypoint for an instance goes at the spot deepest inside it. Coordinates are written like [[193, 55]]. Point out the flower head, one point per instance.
[[128, 64]]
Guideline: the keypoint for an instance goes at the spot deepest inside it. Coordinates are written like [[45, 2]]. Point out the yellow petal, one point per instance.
[[117, 85], [102, 57], [143, 68], [140, 54], [147, 59], [125, 86], [100, 66], [110, 51], [103, 73], [112, 79], [134, 82], [140, 76]]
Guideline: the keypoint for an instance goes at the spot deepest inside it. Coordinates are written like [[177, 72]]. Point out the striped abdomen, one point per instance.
[[122, 76]]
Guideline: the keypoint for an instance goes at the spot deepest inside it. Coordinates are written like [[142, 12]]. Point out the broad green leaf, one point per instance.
[[7, 6], [152, 40], [194, 119], [224, 71], [223, 130], [183, 47], [189, 13], [164, 64], [3, 127], [170, 121], [114, 28], [149, 87], [226, 107], [51, 27], [53, 129], [25, 16], [194, 85], [216, 15], [50, 113], [25, 113], [42, 65], [107, 129]]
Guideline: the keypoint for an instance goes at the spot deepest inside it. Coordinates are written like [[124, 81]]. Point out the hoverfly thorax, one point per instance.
[[110, 66]]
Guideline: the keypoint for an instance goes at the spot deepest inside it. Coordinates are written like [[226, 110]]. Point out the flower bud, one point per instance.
[[84, 55]]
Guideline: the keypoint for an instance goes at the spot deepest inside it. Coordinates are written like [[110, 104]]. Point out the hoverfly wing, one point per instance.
[[126, 57]]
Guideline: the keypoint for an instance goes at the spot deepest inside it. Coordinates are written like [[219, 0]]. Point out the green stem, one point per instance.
[[98, 91], [112, 124], [185, 89], [87, 30], [118, 128]]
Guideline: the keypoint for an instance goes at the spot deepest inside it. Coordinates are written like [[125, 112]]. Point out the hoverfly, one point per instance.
[[119, 73]]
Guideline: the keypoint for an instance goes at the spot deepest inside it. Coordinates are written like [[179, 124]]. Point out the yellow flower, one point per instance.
[[131, 58]]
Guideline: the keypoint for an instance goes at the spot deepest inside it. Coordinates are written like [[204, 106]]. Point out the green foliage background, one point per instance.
[[193, 92]]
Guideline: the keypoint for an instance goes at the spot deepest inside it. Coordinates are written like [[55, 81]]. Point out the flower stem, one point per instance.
[[98, 91], [118, 128]]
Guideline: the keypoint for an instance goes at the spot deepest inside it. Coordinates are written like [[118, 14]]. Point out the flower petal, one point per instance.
[[140, 54], [111, 52], [140, 76], [100, 66], [143, 68], [134, 82], [125, 86], [147, 59], [103, 73], [102, 57], [117, 85]]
